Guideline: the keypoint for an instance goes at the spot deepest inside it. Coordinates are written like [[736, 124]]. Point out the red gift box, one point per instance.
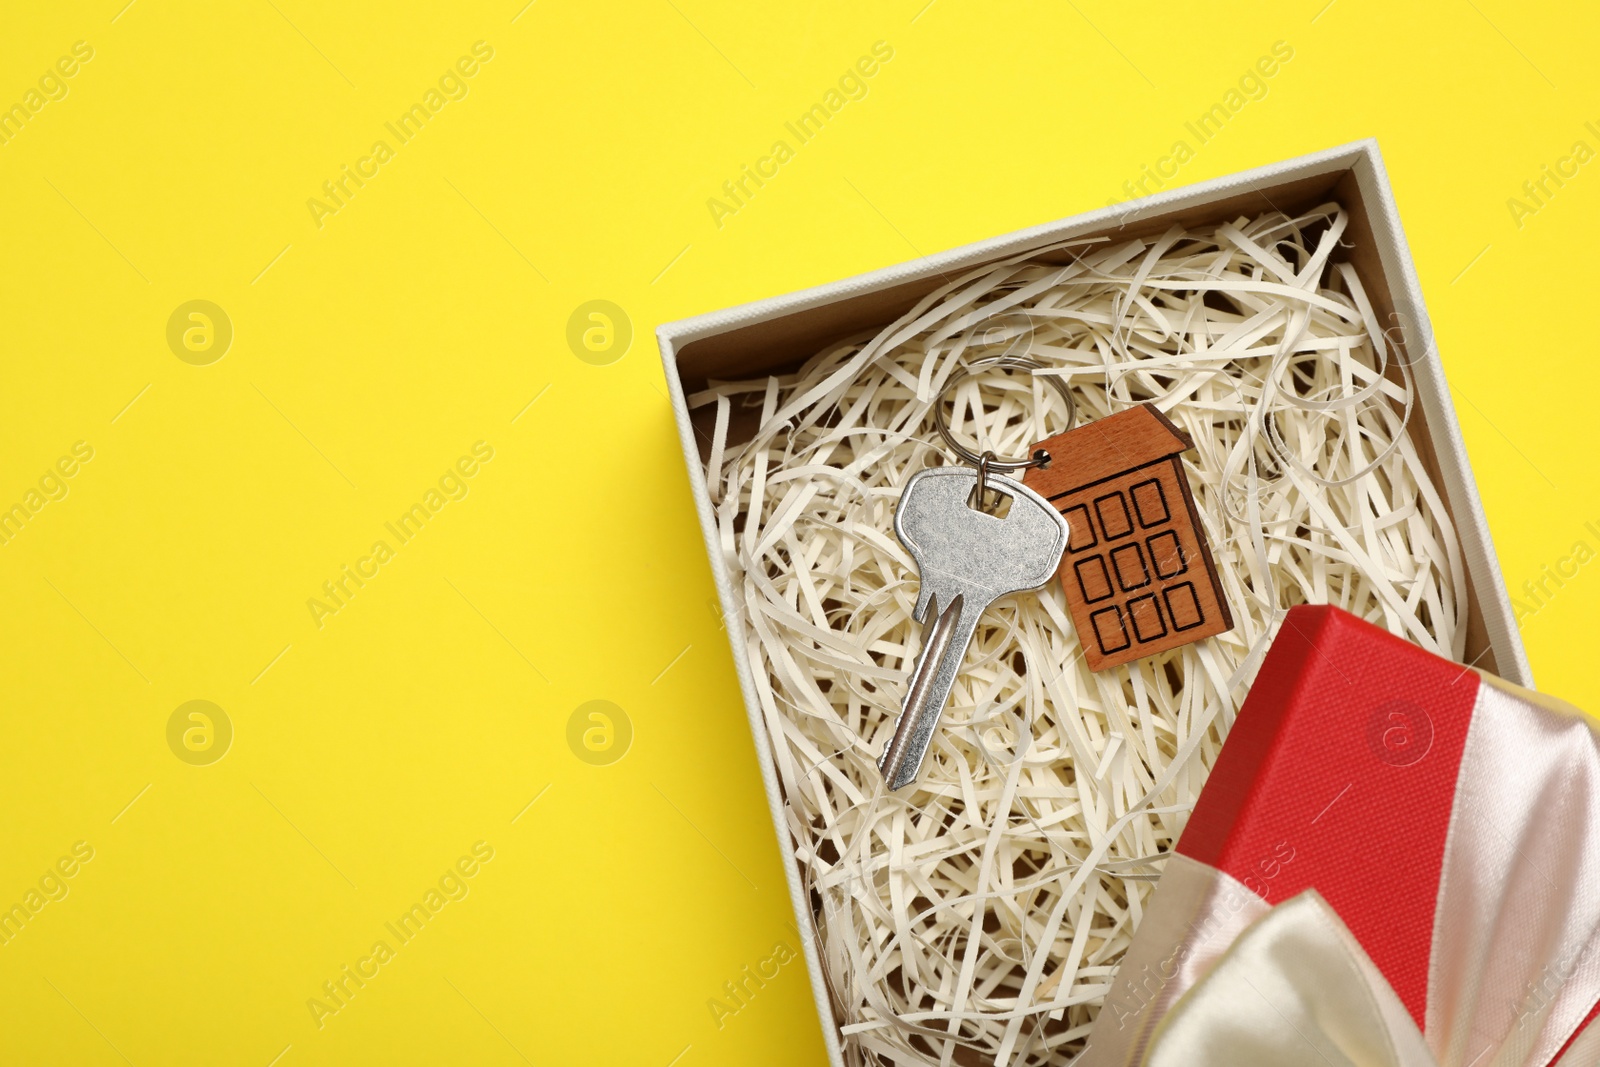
[[1447, 818]]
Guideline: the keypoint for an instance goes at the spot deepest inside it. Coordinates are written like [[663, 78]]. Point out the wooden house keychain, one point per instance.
[[1106, 506], [1138, 573]]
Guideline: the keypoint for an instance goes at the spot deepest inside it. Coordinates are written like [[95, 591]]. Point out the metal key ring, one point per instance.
[[988, 459]]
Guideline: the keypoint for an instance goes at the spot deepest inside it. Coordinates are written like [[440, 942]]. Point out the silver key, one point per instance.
[[967, 559]]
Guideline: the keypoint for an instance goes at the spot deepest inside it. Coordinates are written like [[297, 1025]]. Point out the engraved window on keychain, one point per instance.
[[1107, 505]]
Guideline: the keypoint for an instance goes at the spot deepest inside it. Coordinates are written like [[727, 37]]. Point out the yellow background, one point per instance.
[[372, 351]]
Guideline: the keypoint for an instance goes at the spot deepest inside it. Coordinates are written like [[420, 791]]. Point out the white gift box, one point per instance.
[[776, 335]]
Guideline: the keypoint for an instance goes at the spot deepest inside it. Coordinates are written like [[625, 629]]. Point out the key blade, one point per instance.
[[948, 634]]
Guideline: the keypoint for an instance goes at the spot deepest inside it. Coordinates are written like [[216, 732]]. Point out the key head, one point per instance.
[[963, 551]]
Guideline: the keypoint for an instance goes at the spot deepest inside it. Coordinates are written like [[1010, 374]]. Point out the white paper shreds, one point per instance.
[[977, 916]]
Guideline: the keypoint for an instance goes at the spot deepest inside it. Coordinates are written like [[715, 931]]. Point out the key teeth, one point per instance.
[[900, 771]]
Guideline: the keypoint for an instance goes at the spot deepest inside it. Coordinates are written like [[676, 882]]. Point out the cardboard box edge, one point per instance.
[[1472, 524], [694, 327], [798, 902]]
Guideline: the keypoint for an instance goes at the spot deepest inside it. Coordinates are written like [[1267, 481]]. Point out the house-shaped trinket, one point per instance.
[[1137, 571]]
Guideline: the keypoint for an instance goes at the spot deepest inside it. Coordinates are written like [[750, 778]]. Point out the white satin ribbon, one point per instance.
[[1295, 990], [1515, 966]]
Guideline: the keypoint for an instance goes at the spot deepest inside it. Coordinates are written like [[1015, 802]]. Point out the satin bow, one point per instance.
[[1295, 989], [1220, 978]]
